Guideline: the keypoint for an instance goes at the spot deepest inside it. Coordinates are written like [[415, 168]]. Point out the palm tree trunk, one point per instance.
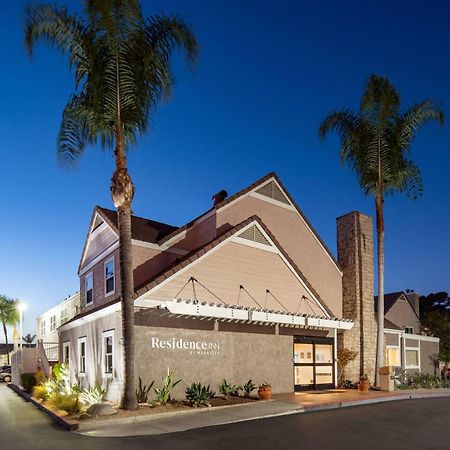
[[122, 191], [380, 316], [6, 341]]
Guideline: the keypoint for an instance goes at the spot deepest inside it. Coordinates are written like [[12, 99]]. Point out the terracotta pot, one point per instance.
[[265, 394], [364, 385]]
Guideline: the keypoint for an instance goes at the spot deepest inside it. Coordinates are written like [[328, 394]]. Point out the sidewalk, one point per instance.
[[282, 404]]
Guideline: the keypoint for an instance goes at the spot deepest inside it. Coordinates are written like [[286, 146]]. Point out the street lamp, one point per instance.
[[21, 307]]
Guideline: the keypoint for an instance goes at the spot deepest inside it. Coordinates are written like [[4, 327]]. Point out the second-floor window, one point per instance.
[[43, 330], [89, 287], [109, 277], [64, 315], [52, 323], [409, 330]]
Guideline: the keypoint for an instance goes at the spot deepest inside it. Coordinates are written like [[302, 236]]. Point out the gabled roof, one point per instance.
[[197, 253], [390, 299], [246, 190], [141, 229], [390, 326]]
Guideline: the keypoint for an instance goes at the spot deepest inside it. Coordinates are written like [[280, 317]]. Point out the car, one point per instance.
[[5, 374]]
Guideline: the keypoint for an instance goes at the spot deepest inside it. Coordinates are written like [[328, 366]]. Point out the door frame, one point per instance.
[[314, 340]]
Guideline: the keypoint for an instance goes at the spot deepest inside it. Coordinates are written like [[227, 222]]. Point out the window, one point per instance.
[[409, 330], [52, 323], [64, 315], [82, 355], [43, 330], [89, 287], [412, 358], [108, 352], [109, 277], [392, 356], [66, 352]]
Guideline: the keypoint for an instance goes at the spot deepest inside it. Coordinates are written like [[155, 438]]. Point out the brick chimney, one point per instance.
[[355, 255]]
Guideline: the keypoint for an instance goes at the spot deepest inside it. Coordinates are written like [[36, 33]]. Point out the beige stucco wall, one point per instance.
[[297, 240], [236, 357], [93, 331], [222, 271], [428, 349]]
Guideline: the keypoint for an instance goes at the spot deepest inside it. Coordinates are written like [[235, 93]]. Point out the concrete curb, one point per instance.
[[88, 425], [60, 421]]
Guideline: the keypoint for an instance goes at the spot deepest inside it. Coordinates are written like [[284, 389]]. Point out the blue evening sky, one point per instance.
[[269, 71]]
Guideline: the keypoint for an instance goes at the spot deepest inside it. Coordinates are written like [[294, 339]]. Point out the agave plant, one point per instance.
[[198, 395], [163, 395], [92, 396]]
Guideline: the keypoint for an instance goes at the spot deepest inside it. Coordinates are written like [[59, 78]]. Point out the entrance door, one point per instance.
[[313, 363]]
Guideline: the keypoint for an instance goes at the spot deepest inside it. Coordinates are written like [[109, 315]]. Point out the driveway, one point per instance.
[[410, 424]]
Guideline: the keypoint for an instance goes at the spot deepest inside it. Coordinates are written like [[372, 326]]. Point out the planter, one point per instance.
[[265, 393], [364, 385]]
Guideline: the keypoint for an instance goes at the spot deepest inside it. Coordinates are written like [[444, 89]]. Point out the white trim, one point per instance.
[[390, 331], [107, 261], [105, 334], [417, 349], [86, 303], [419, 337], [160, 248], [219, 246], [93, 233], [248, 243], [271, 200], [98, 258], [253, 191], [81, 340], [108, 310]]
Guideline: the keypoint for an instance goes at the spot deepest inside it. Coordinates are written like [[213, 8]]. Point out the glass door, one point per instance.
[[313, 363]]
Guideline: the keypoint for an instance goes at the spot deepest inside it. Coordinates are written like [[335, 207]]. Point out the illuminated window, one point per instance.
[[412, 358], [392, 356]]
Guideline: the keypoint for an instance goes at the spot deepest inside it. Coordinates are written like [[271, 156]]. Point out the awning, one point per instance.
[[234, 313]]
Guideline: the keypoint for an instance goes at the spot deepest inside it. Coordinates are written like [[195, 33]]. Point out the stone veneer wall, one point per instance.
[[355, 255]]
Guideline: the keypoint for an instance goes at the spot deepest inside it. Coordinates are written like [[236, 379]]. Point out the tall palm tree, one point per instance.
[[375, 143], [8, 316], [121, 63]]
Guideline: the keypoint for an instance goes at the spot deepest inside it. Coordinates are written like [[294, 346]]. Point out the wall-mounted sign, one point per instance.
[[202, 348]]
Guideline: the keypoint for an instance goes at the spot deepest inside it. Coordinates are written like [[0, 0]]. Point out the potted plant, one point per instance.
[[265, 391], [364, 383]]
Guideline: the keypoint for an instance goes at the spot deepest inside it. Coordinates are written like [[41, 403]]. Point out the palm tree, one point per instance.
[[121, 63], [375, 143], [28, 339], [8, 316]]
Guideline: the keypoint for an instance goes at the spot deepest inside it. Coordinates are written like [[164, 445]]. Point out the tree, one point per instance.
[[121, 63], [375, 143], [29, 339], [8, 316]]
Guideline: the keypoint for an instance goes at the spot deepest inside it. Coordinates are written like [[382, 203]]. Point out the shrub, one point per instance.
[[344, 357], [248, 388], [91, 396], [40, 392], [68, 403], [40, 377], [198, 395], [421, 381], [28, 381], [163, 394], [228, 389], [142, 391]]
